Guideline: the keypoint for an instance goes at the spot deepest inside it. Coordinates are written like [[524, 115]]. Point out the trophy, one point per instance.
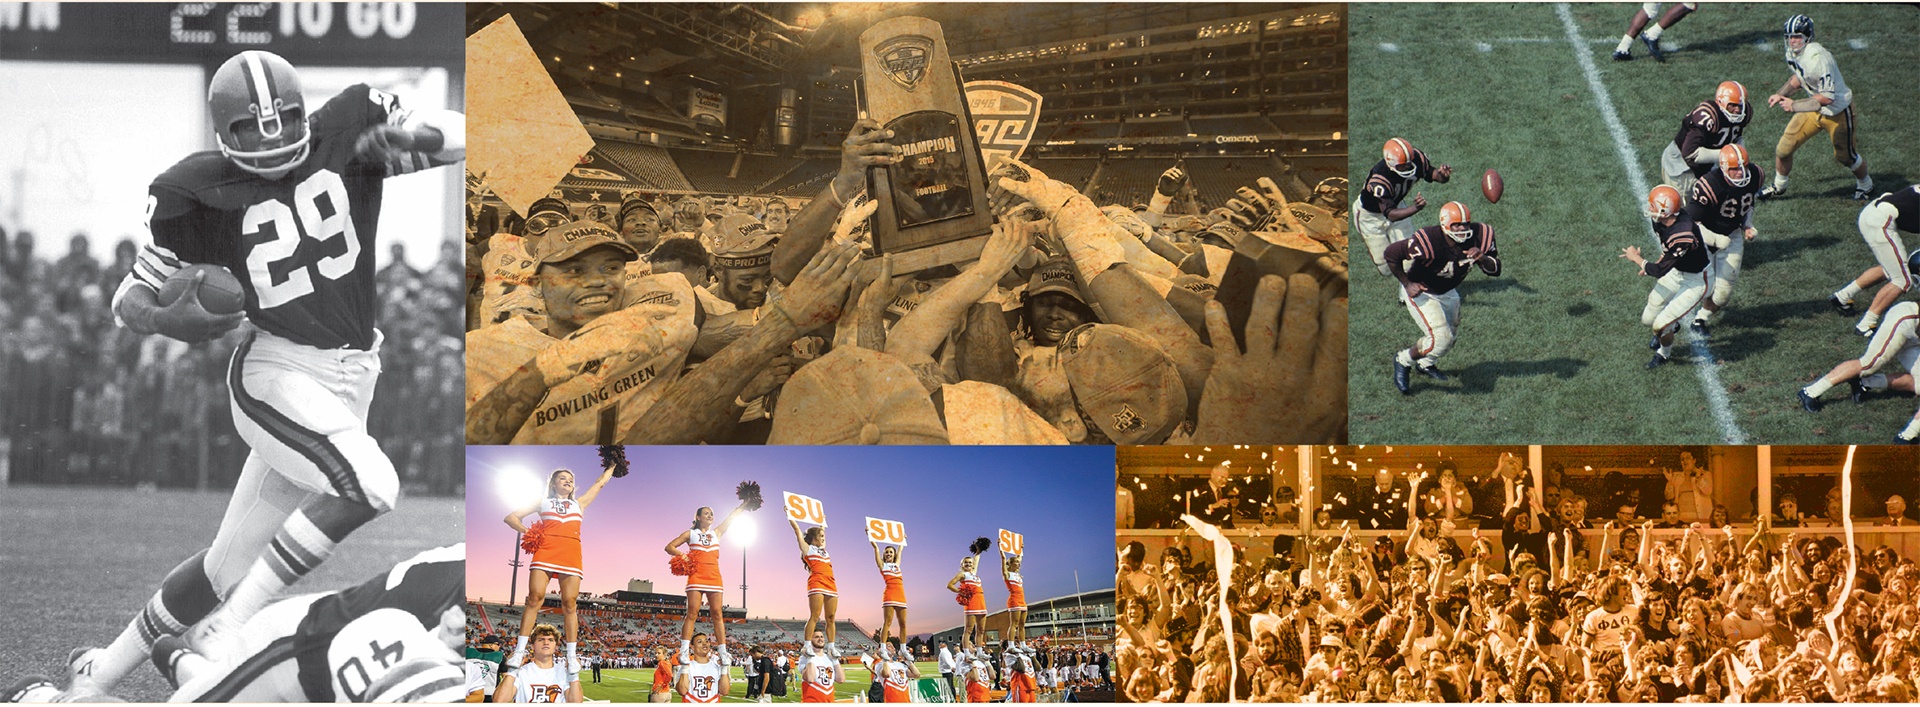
[[933, 203]]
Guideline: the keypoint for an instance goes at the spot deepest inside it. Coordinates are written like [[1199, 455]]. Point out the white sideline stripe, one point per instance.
[[1709, 377]]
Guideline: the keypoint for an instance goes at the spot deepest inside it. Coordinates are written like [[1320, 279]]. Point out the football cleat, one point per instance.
[[1863, 193], [1398, 154], [1658, 361], [1733, 164], [1654, 343], [1622, 56], [1402, 378], [80, 669], [1772, 192], [1866, 332], [32, 688], [167, 652], [1856, 391], [1897, 439], [1844, 307], [1653, 47], [1432, 372], [1807, 402], [1699, 328], [259, 115]]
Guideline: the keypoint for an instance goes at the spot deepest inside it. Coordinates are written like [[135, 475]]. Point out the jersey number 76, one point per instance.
[[288, 232]]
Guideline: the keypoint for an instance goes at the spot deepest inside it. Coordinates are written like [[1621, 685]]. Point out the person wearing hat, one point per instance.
[[483, 668], [639, 224], [508, 267], [743, 260], [597, 352]]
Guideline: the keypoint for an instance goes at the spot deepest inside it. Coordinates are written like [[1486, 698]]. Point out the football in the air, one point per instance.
[[220, 291], [1492, 186]]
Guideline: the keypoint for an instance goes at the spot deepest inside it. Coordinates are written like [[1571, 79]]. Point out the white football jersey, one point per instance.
[[534, 684], [706, 681], [1820, 75]]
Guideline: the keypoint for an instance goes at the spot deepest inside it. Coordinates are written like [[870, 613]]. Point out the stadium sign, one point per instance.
[[1004, 116], [1223, 139], [304, 33], [704, 106]]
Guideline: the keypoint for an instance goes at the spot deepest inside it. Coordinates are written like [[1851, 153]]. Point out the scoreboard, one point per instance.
[[305, 33]]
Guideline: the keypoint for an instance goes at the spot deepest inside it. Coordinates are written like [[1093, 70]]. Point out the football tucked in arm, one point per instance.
[[1492, 186], [220, 291]]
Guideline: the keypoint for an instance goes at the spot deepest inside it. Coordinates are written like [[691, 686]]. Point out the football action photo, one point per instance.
[[746, 574], [1655, 223]]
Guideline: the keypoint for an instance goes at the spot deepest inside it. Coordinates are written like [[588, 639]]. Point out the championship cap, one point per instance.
[[634, 202], [548, 204], [856, 396], [741, 241], [571, 239], [1056, 275], [1124, 382]]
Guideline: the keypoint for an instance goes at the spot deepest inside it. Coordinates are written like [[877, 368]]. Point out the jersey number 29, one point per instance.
[[287, 236]]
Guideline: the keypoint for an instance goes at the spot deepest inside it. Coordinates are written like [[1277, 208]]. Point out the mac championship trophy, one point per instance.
[[933, 204]]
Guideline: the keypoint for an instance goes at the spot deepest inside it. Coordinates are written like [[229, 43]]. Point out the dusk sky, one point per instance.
[[1059, 498]]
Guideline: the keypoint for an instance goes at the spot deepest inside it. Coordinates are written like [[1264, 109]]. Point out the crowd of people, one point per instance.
[[1539, 606], [90, 402], [750, 320]]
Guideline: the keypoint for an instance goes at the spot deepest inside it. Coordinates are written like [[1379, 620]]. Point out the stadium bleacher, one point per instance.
[[1155, 128], [713, 171], [1232, 125], [1216, 178], [1075, 171], [806, 179], [652, 166]]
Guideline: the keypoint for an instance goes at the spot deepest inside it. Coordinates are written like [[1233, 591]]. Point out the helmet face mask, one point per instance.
[[1663, 203], [259, 115], [1733, 163], [1398, 154], [1798, 32], [1454, 220], [1732, 99]]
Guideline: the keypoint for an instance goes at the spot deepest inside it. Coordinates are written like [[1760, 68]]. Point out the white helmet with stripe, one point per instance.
[[259, 115]]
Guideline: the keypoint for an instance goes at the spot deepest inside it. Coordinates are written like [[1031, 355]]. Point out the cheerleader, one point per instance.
[[555, 543], [544, 678], [818, 673], [708, 675], [1016, 601], [979, 677], [893, 601], [823, 597], [966, 588], [700, 564], [898, 673]]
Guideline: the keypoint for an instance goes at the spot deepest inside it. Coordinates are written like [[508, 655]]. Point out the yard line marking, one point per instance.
[[1709, 377]]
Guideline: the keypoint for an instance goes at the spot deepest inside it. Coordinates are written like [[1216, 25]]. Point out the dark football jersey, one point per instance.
[[1681, 247], [1710, 128], [1907, 202], [1719, 205], [1385, 189], [424, 586], [302, 245], [1437, 263]]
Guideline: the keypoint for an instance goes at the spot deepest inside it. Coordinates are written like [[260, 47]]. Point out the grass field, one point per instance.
[[77, 563], [1552, 351], [632, 684]]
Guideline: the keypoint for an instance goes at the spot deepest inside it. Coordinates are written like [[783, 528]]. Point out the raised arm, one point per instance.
[[594, 490], [507, 689], [721, 529], [915, 337]]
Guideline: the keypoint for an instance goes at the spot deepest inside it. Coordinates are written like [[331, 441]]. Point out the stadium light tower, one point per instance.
[[742, 533], [516, 487]]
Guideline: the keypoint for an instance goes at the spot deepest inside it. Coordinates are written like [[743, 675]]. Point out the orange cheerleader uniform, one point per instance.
[[896, 591], [895, 687], [977, 689], [816, 680], [704, 547], [559, 550], [976, 606], [1016, 592], [820, 572]]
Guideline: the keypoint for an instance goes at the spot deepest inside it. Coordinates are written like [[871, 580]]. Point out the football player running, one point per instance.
[[1430, 267], [1895, 340], [289, 203], [1377, 214], [1681, 272], [1827, 107], [1884, 224], [1637, 27], [1722, 204], [1706, 129]]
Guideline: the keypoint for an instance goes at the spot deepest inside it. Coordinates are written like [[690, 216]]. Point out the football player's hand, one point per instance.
[[821, 287], [1632, 254], [1291, 382], [383, 144], [1046, 194], [1776, 99], [186, 320], [1419, 202], [866, 146], [1751, 233], [1170, 181], [769, 378], [1442, 174], [1009, 241], [1007, 205], [1415, 289], [604, 337]]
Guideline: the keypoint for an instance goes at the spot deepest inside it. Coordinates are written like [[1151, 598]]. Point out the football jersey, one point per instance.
[[1907, 203], [302, 246], [1721, 206], [816, 679], [896, 682], [1709, 127], [1681, 247], [482, 676], [1436, 262], [705, 681], [350, 639], [1385, 188], [534, 684], [1820, 75]]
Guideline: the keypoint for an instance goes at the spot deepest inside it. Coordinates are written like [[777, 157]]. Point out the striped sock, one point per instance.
[[305, 541], [185, 597]]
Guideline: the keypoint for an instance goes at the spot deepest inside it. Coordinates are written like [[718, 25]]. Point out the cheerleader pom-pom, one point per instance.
[[614, 456], [530, 540], [749, 493], [964, 596], [681, 565], [979, 545]]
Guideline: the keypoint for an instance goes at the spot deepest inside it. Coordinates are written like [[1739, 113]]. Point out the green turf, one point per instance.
[[1552, 351], [633, 684], [77, 563]]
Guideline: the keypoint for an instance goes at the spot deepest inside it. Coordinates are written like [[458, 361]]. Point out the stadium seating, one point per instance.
[[709, 171], [806, 179], [1074, 171], [1128, 181], [648, 164], [1232, 125], [1155, 128], [1216, 178]]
